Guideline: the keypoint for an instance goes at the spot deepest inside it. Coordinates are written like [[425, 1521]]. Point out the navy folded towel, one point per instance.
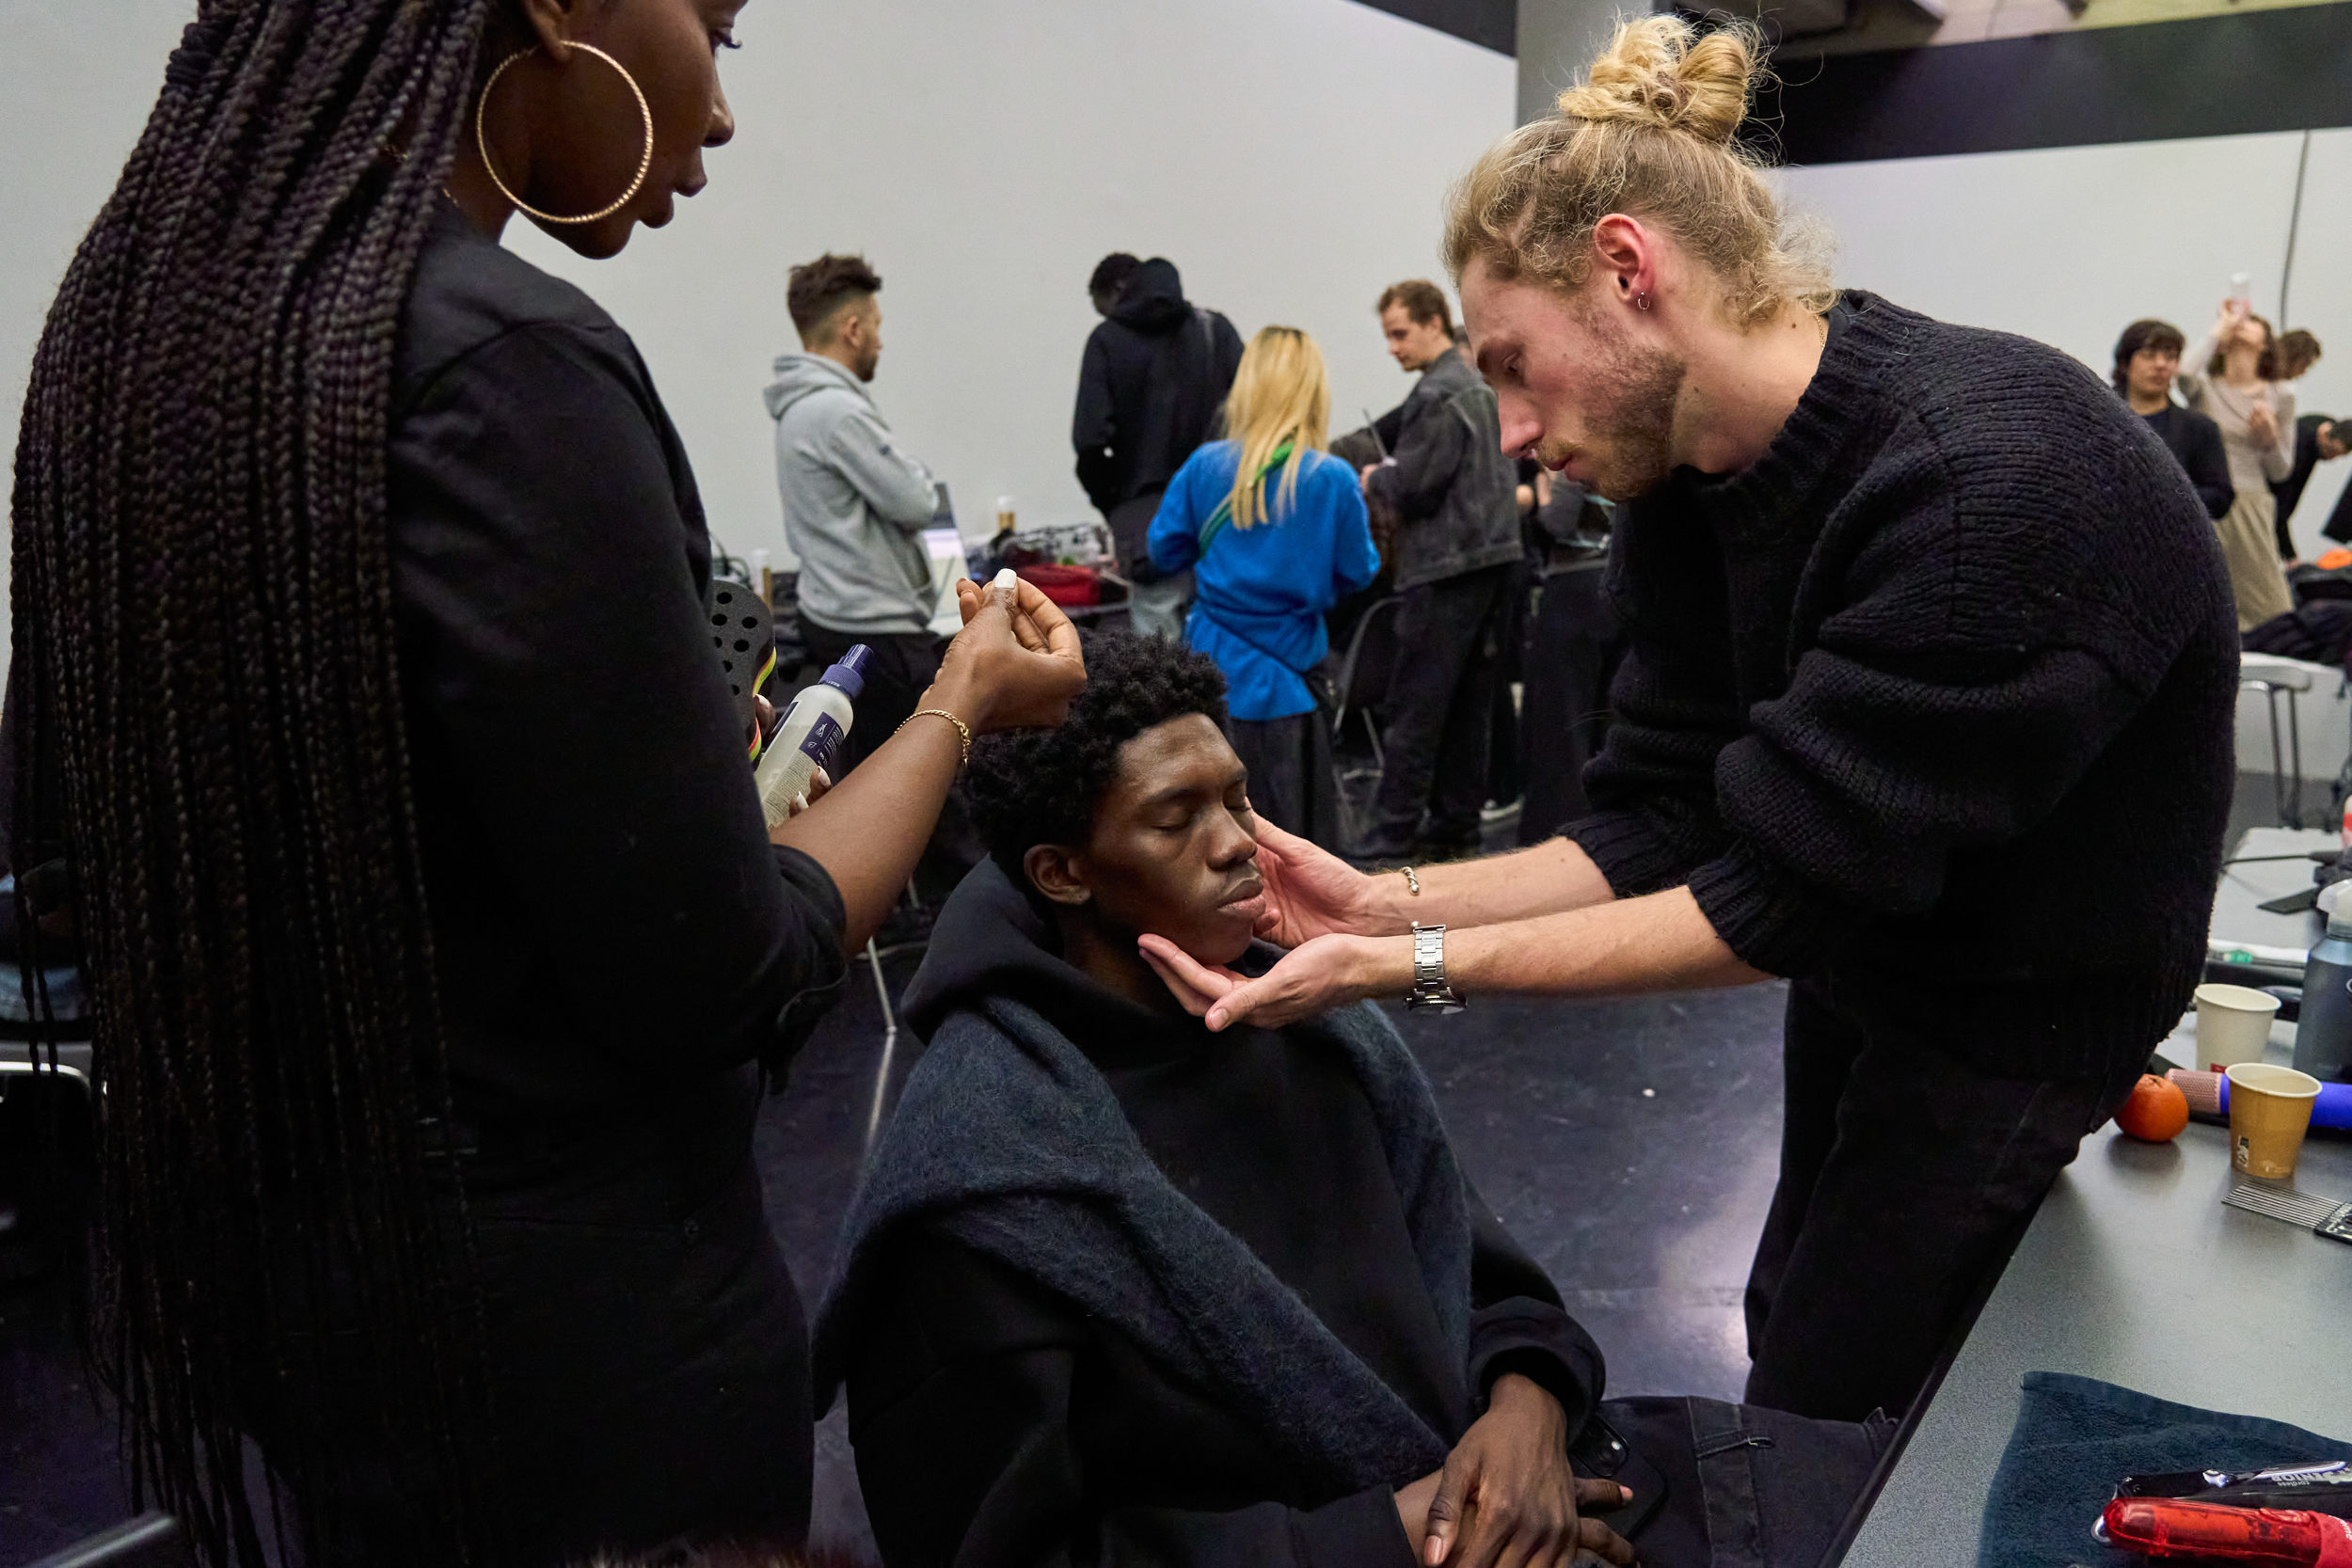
[[2076, 1437]]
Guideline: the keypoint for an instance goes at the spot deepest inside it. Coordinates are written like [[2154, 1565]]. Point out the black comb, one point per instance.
[[2325, 1215]]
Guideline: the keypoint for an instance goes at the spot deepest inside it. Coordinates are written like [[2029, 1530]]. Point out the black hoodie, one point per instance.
[[1150, 387], [998, 1423]]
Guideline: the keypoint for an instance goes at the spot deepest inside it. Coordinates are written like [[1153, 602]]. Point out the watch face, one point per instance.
[[1435, 998]]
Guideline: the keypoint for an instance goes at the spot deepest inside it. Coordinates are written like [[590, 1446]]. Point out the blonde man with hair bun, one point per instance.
[[1926, 709], [1276, 533]]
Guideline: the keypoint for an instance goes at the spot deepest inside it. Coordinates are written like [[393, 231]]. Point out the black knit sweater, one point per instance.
[[1935, 700]]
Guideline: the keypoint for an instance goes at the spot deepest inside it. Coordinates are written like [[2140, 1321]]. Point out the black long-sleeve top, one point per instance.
[[612, 923], [1935, 699], [2196, 441], [997, 1424], [616, 942]]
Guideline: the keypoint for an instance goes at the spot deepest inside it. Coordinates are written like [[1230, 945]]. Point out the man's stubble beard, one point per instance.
[[1629, 444], [1632, 445]]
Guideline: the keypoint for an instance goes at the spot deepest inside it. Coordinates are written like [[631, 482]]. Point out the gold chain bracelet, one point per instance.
[[962, 730]]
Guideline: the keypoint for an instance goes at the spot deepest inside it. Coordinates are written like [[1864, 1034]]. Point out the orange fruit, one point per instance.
[[2155, 1112]]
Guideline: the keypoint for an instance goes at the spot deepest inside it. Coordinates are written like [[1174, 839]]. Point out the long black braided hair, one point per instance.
[[211, 737]]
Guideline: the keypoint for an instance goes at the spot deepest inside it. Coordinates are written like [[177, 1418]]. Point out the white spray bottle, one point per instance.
[[810, 734]]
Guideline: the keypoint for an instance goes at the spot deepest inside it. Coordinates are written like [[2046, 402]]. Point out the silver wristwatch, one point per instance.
[[1430, 990]]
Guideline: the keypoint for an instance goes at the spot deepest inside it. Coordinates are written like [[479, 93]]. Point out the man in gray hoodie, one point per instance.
[[855, 504]]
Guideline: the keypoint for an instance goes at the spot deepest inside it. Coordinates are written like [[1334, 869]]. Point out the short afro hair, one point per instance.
[[1027, 787]]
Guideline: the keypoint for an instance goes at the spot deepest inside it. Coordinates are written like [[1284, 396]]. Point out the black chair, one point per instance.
[[1363, 675], [1360, 682], [149, 1541], [2270, 675]]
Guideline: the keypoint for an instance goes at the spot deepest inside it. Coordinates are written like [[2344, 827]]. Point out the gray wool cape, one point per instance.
[[1009, 1141]]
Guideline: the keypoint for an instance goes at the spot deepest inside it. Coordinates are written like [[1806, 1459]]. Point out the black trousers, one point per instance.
[[1906, 1174], [1573, 650], [1291, 782], [901, 670], [1442, 709]]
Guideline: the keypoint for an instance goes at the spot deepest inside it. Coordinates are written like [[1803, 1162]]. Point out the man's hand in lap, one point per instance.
[[1506, 1495]]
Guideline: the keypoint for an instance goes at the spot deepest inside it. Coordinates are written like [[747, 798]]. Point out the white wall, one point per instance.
[[2069, 244], [1558, 41], [75, 93], [1288, 155]]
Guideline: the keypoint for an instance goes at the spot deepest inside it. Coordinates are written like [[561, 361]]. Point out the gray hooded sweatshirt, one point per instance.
[[854, 505]]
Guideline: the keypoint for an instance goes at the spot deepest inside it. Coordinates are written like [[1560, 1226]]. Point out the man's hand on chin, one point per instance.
[[1311, 979]]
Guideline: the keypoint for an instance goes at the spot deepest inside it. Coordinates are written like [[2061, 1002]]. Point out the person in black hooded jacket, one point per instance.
[[1115, 1289], [1151, 388]]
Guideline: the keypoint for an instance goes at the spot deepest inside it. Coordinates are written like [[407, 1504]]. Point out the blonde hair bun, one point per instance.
[[1663, 73]]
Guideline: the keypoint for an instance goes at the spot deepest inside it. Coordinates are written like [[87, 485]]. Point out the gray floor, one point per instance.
[[1628, 1143]]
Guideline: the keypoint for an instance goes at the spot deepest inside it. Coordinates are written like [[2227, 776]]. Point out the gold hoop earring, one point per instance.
[[481, 140]]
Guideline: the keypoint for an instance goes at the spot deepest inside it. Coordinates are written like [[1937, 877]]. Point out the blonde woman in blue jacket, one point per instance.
[[1275, 529]]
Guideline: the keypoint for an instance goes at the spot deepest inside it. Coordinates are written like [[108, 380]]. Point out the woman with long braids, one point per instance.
[[362, 698]]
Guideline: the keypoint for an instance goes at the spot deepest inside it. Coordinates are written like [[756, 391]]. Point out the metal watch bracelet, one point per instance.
[[1430, 991]]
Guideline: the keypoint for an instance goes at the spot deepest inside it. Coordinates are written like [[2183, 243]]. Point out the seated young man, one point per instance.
[[1118, 1290]]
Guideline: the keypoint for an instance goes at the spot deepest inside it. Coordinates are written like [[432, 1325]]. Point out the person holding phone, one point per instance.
[[2230, 376], [436, 946]]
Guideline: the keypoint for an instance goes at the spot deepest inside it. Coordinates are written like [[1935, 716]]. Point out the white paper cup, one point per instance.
[[2232, 1026]]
